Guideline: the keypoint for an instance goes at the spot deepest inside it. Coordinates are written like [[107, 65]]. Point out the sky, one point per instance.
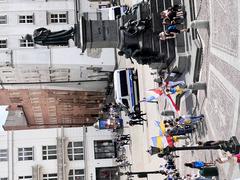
[[3, 116]]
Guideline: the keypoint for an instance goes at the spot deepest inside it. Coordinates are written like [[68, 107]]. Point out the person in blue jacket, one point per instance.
[[198, 164]]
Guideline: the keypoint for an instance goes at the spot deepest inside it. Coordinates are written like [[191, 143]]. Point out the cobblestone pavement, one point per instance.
[[221, 71]]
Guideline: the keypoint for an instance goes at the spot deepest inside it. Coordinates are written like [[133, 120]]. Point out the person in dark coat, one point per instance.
[[198, 164], [181, 130], [137, 116], [135, 122]]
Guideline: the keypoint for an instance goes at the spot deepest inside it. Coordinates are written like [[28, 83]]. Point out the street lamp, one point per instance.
[[141, 174], [232, 146]]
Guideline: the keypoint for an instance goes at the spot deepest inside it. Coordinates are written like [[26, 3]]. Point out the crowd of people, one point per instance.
[[171, 18], [122, 140]]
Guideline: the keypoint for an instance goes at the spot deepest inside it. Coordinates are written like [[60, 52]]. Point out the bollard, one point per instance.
[[199, 24], [168, 113], [197, 86]]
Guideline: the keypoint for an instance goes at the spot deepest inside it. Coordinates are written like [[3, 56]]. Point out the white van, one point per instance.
[[126, 89], [114, 12]]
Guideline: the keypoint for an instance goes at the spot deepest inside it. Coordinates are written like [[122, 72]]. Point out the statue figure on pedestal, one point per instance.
[[133, 27], [45, 37]]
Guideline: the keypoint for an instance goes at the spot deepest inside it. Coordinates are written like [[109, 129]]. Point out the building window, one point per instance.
[[76, 174], [4, 178], [3, 19], [106, 173], [3, 155], [49, 152], [58, 17], [25, 154], [26, 19], [26, 43], [104, 149], [75, 150], [25, 177], [52, 176], [3, 43]]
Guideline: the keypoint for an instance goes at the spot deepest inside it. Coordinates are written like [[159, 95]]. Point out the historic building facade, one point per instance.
[[50, 108], [57, 154]]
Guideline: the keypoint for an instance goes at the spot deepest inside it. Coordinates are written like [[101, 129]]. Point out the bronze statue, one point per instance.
[[45, 37]]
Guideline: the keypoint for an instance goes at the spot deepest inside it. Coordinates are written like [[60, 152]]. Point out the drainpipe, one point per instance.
[[85, 152], [8, 150], [63, 153], [12, 138]]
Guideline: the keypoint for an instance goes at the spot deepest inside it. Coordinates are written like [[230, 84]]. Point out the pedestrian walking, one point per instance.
[[209, 171], [195, 177], [227, 157], [136, 116], [123, 143], [189, 119], [172, 13], [135, 122], [125, 164], [176, 90], [123, 137], [177, 131], [171, 156], [164, 35], [172, 28], [174, 83], [198, 164], [170, 164]]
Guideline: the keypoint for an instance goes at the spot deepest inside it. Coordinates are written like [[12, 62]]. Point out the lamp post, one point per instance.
[[232, 146], [141, 174]]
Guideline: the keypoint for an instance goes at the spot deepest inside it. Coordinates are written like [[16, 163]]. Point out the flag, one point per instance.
[[154, 94], [160, 141], [156, 91], [161, 126], [151, 98], [170, 141], [172, 103]]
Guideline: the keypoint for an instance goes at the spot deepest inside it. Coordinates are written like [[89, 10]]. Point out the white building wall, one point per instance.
[[41, 137], [4, 166], [87, 6], [24, 59], [97, 135]]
